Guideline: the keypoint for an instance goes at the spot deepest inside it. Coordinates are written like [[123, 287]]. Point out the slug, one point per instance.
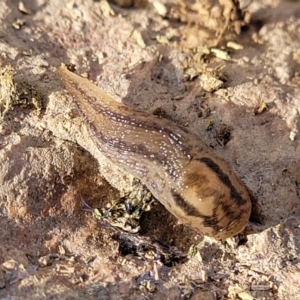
[[183, 173]]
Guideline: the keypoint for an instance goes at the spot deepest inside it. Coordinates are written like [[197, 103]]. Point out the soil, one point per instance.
[[228, 73]]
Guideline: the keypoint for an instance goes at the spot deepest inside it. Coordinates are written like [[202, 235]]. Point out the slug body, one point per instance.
[[192, 182]]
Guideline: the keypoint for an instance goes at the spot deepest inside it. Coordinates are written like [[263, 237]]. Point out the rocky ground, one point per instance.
[[228, 74]]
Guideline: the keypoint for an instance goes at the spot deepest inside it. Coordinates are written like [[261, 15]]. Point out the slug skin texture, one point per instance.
[[183, 173]]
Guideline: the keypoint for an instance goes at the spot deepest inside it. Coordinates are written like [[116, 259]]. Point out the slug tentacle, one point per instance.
[[183, 173]]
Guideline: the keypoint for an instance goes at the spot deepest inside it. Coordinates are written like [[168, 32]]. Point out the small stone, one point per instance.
[[44, 261], [24, 9], [245, 296], [292, 135], [160, 8], [150, 286], [210, 83]]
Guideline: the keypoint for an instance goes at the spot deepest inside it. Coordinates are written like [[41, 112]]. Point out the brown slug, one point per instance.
[[191, 181]]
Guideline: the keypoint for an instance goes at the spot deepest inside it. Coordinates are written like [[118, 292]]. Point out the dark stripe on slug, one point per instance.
[[120, 146], [227, 209], [234, 194], [212, 221], [190, 210], [116, 145], [184, 205], [143, 122], [137, 119]]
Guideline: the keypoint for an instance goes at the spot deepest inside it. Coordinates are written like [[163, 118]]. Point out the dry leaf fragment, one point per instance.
[[106, 9], [234, 45], [139, 38]]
